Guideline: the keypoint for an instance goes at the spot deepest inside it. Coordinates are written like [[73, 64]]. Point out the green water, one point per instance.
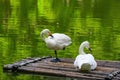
[[21, 21]]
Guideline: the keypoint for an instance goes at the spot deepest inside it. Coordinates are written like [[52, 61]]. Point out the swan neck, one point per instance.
[[81, 49]]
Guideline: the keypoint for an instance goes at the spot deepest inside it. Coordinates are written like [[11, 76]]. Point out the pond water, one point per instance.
[[21, 21]]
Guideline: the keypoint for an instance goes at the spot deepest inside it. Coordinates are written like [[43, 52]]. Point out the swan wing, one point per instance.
[[58, 41], [80, 59], [86, 58], [91, 61], [62, 39]]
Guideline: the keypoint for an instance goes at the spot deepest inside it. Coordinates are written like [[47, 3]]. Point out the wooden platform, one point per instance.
[[106, 70]]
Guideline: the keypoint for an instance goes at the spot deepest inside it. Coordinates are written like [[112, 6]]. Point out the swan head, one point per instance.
[[85, 44], [45, 33]]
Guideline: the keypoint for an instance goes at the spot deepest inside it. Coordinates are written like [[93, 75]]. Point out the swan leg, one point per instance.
[[64, 48], [56, 59]]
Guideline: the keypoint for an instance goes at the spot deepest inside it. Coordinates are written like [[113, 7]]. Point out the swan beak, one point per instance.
[[90, 50], [49, 34]]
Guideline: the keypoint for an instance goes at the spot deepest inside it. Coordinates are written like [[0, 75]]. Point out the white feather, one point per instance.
[[58, 41]]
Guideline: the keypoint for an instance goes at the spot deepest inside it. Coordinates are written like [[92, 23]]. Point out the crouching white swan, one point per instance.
[[55, 41], [85, 62]]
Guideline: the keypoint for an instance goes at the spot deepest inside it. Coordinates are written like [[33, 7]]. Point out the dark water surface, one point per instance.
[[21, 21]]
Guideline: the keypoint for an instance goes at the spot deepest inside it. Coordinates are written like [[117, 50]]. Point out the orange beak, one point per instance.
[[49, 34]]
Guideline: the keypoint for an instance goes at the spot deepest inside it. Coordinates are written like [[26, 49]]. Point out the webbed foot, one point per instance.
[[56, 60]]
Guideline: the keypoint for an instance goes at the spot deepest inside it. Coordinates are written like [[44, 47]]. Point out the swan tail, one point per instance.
[[85, 67]]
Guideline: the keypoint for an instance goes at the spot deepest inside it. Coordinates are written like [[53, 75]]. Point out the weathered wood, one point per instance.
[[15, 66], [108, 70], [115, 64], [61, 73]]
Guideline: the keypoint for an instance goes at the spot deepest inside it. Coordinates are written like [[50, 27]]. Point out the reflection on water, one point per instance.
[[21, 21]]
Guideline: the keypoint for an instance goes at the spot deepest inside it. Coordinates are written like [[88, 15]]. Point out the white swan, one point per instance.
[[55, 41], [85, 62]]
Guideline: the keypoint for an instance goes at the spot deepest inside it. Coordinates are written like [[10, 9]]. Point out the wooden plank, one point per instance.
[[115, 64], [65, 68], [69, 67], [61, 73], [23, 62]]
